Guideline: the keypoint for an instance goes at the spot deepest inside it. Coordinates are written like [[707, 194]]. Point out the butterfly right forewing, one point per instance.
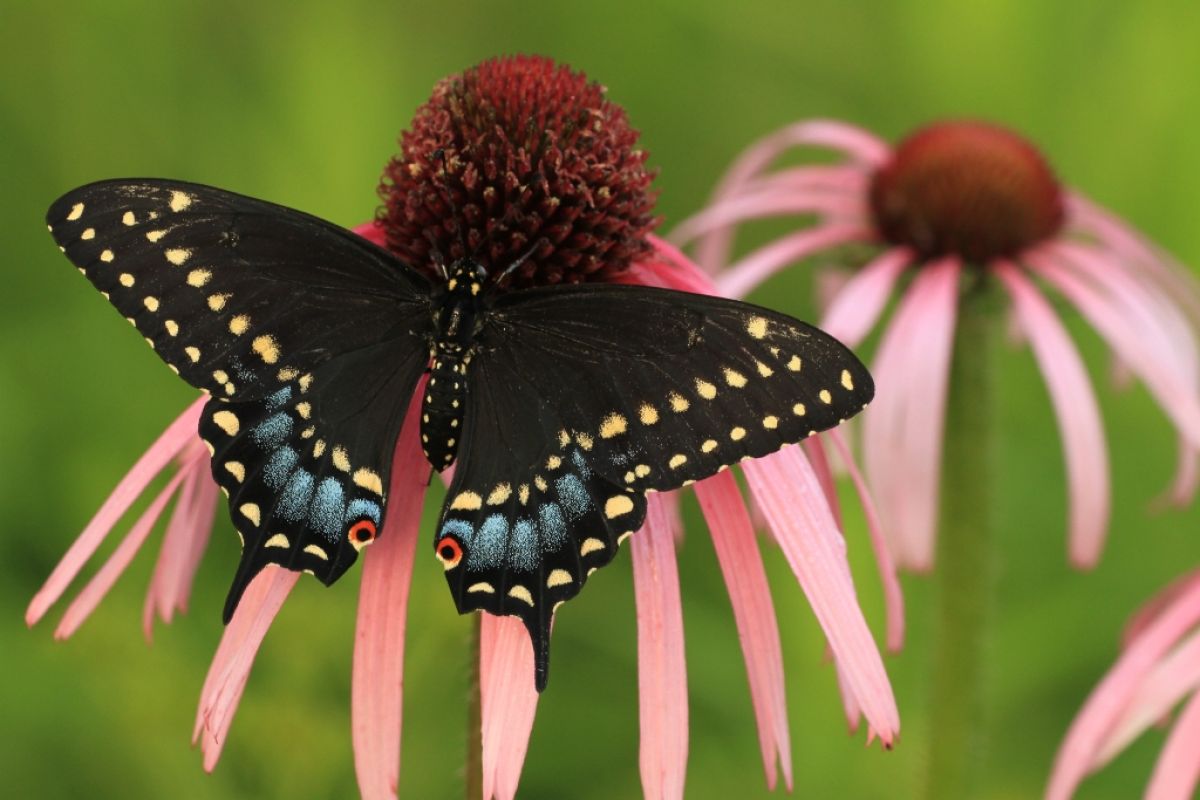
[[237, 295]]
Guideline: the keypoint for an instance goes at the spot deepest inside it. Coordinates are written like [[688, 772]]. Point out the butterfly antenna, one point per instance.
[[513, 267], [440, 155]]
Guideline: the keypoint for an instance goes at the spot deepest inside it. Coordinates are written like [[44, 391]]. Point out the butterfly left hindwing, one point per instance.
[[582, 399]]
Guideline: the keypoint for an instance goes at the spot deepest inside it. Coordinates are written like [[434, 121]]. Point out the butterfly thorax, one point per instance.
[[456, 318]]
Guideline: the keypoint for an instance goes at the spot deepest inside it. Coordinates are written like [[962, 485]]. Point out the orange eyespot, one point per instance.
[[361, 533], [449, 552]]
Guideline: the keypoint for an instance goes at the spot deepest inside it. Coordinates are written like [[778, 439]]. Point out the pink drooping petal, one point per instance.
[[178, 435], [766, 202], [850, 705], [662, 672], [1176, 676], [737, 551], [373, 232], [855, 143], [98, 586], [893, 596], [1178, 769], [1126, 335], [792, 501], [184, 543], [509, 703], [838, 180], [857, 307], [671, 269], [1136, 255], [1078, 416], [741, 277], [1154, 324], [377, 681], [1153, 608], [1187, 476], [902, 436], [1111, 697], [818, 459], [230, 668]]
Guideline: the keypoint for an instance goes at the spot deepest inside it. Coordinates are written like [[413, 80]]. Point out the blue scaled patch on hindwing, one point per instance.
[[488, 548], [551, 525], [328, 509], [362, 508], [296, 495], [273, 431], [573, 496]]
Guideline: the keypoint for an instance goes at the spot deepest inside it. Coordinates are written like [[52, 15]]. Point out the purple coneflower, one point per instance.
[[949, 206], [529, 150], [1158, 670]]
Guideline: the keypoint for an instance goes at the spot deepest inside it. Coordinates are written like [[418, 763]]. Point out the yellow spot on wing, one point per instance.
[[482, 586], [519, 592], [757, 327], [178, 255], [705, 389], [193, 353], [128, 218], [825, 396], [172, 327], [266, 347], [341, 459], [677, 461], [771, 422], [763, 369], [250, 511], [154, 236], [799, 409], [217, 301], [708, 446], [523, 493], [369, 479], [617, 505], [227, 421], [107, 256], [794, 364], [641, 470], [558, 577], [126, 280], [612, 425], [678, 402], [304, 409], [278, 540], [180, 200], [151, 302], [590, 545], [734, 378], [553, 463], [287, 374], [88, 234], [467, 501], [847, 380], [237, 469], [76, 212], [239, 324], [737, 434], [584, 441], [199, 277], [317, 550], [220, 376], [500, 494], [647, 414]]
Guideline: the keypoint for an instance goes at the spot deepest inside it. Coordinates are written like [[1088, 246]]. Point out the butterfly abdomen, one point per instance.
[[442, 407]]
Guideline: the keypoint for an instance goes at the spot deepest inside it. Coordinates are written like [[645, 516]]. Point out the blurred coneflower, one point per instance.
[[949, 216], [958, 205], [530, 151], [1158, 670]]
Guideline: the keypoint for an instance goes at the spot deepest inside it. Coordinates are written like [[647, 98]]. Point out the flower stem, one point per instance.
[[474, 762], [964, 571]]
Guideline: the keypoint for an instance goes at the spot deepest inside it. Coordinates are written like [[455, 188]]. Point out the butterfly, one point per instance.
[[561, 406]]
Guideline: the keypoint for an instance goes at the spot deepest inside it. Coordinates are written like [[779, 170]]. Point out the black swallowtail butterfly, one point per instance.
[[564, 406]]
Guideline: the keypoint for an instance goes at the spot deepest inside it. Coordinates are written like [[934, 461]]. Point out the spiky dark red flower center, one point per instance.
[[520, 154], [970, 189]]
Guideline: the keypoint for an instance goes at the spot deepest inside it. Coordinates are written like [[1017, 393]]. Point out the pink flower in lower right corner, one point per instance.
[[1158, 670], [955, 197]]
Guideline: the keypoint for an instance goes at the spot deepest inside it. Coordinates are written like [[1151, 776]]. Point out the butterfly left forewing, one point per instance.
[[666, 388]]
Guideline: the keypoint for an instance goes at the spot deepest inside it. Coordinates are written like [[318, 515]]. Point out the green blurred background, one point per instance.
[[301, 103]]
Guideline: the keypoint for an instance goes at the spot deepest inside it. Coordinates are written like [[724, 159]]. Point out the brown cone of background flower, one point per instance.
[[533, 155]]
